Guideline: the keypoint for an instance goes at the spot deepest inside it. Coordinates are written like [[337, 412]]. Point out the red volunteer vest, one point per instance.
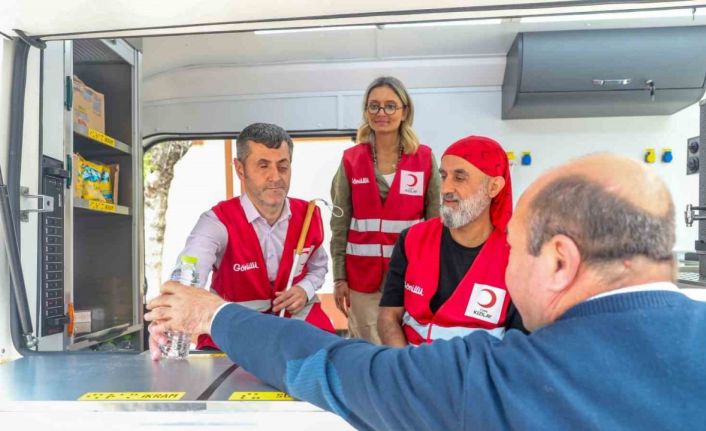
[[375, 225], [242, 274], [480, 301]]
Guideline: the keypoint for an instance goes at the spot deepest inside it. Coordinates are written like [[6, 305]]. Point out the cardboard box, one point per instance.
[[88, 108], [82, 321]]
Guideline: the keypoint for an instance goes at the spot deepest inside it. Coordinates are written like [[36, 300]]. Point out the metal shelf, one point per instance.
[[101, 207], [84, 341], [101, 51], [104, 145]]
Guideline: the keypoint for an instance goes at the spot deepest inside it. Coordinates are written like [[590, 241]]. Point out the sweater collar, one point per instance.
[[626, 301], [660, 285]]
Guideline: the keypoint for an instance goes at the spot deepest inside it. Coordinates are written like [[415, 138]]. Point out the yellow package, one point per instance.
[[76, 175], [94, 180]]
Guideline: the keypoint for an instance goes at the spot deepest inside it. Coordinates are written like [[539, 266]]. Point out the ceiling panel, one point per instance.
[[123, 18]]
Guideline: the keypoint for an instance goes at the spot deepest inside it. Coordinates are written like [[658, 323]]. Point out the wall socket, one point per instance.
[[692, 155]]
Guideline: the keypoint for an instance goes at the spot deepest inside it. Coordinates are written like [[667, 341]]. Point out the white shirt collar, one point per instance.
[[660, 285], [252, 214]]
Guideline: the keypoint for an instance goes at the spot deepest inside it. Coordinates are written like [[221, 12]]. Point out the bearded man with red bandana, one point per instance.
[[447, 274]]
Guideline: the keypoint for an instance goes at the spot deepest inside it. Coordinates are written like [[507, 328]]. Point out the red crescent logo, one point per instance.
[[414, 180], [493, 299]]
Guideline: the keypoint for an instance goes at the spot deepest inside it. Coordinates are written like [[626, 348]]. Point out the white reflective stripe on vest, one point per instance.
[[257, 304], [368, 250], [387, 250], [378, 225], [397, 226], [365, 224], [304, 313], [444, 333]]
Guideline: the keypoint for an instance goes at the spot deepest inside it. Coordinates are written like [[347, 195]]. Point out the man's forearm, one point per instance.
[[238, 332], [351, 378], [292, 355], [207, 240], [317, 267], [390, 330]]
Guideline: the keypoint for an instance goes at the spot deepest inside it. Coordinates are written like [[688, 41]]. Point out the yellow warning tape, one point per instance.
[[102, 206], [260, 396], [132, 396], [101, 137]]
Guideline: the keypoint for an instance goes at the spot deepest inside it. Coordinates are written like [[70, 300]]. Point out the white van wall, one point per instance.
[[452, 97], [6, 350], [29, 179]]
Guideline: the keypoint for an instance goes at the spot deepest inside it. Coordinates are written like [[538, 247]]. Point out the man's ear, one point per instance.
[[239, 169], [564, 260], [495, 186]]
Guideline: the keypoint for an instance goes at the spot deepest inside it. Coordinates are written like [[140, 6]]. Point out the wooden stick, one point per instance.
[[305, 228], [300, 246]]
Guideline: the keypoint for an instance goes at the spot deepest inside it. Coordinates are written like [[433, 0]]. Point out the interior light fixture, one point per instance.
[[490, 21], [667, 13], [311, 29]]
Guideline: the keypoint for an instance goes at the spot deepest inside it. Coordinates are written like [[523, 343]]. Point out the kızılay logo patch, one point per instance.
[[486, 303], [411, 183]]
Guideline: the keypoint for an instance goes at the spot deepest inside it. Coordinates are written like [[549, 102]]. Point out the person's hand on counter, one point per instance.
[[180, 308]]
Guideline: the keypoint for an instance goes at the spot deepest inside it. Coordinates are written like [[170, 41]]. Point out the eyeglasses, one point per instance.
[[388, 108]]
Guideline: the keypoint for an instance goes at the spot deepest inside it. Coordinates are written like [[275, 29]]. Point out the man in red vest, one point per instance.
[[249, 241], [447, 274]]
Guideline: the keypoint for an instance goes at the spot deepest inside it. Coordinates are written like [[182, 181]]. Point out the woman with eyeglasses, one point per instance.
[[386, 183]]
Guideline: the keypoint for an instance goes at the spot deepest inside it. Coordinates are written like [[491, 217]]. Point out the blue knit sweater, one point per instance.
[[626, 361]]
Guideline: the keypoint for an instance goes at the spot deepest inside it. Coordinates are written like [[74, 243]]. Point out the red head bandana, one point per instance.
[[488, 156]]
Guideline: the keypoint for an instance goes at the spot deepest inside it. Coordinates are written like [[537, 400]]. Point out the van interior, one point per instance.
[[127, 88]]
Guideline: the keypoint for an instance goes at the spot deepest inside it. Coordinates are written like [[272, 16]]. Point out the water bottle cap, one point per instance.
[[190, 259]]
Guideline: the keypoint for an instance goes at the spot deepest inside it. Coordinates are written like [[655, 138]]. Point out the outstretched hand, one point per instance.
[[180, 308]]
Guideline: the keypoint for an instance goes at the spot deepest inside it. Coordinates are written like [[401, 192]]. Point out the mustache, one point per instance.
[[450, 197], [276, 185]]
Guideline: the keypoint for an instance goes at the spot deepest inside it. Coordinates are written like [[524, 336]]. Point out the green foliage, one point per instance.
[[148, 165]]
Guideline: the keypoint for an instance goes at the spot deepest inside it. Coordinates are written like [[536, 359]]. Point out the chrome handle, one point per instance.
[[611, 82]]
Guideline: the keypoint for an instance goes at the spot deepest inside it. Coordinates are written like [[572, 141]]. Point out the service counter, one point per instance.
[[84, 388]]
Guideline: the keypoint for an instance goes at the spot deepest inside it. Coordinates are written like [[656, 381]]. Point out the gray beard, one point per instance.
[[468, 210]]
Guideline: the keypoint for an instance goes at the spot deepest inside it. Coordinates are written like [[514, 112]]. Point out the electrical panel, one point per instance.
[[51, 257]]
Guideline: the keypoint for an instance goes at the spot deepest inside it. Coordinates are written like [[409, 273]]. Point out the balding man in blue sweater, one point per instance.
[[614, 344]]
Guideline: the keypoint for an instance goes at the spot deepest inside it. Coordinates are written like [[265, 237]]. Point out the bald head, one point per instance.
[[613, 207], [596, 224], [624, 177]]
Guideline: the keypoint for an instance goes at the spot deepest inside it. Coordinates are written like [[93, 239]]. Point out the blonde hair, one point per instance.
[[408, 139]]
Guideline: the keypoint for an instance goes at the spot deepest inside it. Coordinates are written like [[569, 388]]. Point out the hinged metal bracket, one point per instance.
[[45, 204]]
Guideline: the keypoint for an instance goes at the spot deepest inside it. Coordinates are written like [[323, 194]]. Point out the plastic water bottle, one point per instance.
[[177, 345]]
